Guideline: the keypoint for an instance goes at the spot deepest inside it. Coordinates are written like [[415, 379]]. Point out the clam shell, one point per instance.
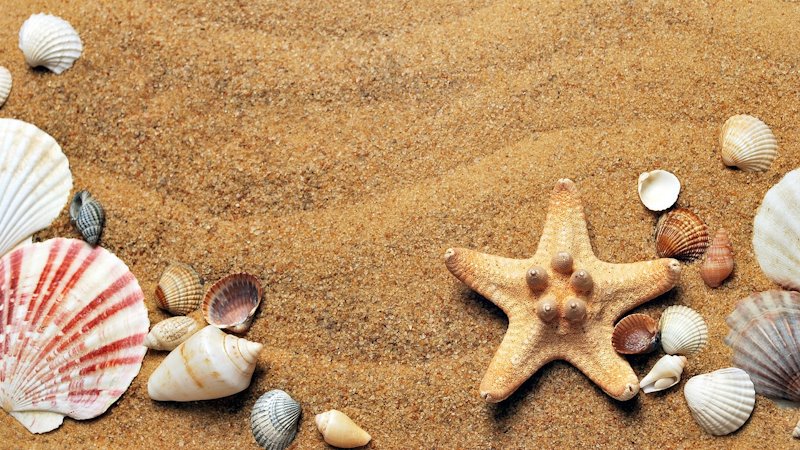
[[635, 334], [231, 302], [49, 41], [169, 333], [681, 234], [718, 263], [88, 216], [274, 420], [664, 374], [5, 84], [683, 331], [180, 289], [720, 401], [73, 324], [658, 189], [747, 143], [796, 432], [776, 234], [340, 431]]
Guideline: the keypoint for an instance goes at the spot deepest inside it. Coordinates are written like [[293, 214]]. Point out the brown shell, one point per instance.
[[635, 334], [718, 263], [681, 234], [180, 289], [231, 302]]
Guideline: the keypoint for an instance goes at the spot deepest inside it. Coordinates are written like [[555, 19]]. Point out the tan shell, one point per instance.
[[748, 144], [340, 431], [681, 234], [231, 302], [172, 332], [635, 334], [718, 263], [180, 289]]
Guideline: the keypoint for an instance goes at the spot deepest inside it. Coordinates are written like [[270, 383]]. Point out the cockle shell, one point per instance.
[[34, 181], [211, 364], [720, 401], [658, 189], [718, 263], [748, 144], [169, 333], [72, 325], [681, 234], [340, 431], [5, 85], [180, 289], [274, 420], [776, 236], [765, 338], [50, 42], [88, 216], [231, 302], [664, 374], [683, 331], [635, 334]]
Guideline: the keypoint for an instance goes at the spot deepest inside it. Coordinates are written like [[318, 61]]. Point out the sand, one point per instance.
[[336, 149]]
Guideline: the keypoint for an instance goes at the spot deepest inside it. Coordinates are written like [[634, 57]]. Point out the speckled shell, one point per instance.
[[658, 189], [231, 302], [720, 401], [776, 233], [49, 41], [340, 431], [180, 289], [681, 234], [765, 338], [718, 262], [169, 333], [5, 85], [747, 143], [274, 420], [664, 374], [683, 331], [88, 216], [635, 334]]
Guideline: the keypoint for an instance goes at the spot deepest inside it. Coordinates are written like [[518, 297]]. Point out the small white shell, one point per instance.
[[720, 401], [748, 144], [683, 331], [796, 432], [170, 333], [274, 420], [340, 431], [658, 189], [776, 236], [5, 84], [49, 41], [664, 374]]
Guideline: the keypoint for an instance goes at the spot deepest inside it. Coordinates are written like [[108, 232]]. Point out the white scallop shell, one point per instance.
[[683, 331], [73, 323], [49, 41], [339, 430], [172, 332], [5, 84], [720, 401], [796, 432], [34, 181], [664, 374], [658, 189], [274, 420], [748, 144], [776, 232]]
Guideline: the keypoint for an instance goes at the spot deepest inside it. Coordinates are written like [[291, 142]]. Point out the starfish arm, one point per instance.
[[607, 369], [634, 284], [565, 228]]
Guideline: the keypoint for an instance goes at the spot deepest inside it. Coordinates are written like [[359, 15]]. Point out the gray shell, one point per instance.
[[274, 420], [88, 216]]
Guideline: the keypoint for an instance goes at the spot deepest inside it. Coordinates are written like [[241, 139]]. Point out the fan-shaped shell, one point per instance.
[[274, 420], [170, 333], [5, 84], [681, 234], [339, 430], [635, 334], [658, 189], [231, 302], [49, 41], [718, 263], [664, 374], [683, 331], [88, 216], [34, 181], [180, 289], [720, 401], [776, 232], [748, 144], [72, 325]]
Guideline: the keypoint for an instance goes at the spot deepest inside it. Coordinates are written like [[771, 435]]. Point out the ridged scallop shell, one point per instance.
[[683, 331], [88, 216], [681, 234], [765, 338], [35, 181], [776, 232], [72, 325], [718, 263], [747, 143], [170, 333], [720, 401], [340, 431], [635, 334], [5, 85], [49, 41], [274, 420], [180, 289], [664, 374], [231, 302], [658, 189]]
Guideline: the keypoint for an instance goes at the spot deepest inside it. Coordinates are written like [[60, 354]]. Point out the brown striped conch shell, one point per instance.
[[718, 263], [169, 333], [340, 431], [180, 289], [664, 374], [748, 144], [720, 401], [635, 334], [681, 234], [231, 303]]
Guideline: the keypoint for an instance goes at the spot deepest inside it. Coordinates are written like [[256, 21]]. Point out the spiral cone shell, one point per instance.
[[664, 374], [88, 216], [718, 263], [170, 333], [340, 431]]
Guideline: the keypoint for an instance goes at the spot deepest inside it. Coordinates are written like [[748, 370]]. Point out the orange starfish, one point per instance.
[[561, 303]]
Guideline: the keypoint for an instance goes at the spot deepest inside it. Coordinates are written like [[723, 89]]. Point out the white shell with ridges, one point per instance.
[[720, 401], [274, 420], [339, 430], [658, 189], [664, 374], [748, 144], [776, 232], [5, 85], [683, 331], [172, 332], [49, 41]]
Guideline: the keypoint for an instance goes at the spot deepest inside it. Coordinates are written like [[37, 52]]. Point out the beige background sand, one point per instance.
[[335, 149]]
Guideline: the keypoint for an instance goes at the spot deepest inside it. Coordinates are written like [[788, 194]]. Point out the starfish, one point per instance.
[[562, 302]]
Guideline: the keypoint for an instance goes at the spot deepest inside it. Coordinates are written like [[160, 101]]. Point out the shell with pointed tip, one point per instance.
[[231, 302], [170, 333], [34, 181], [765, 338], [635, 334], [681, 234], [340, 431], [49, 41], [664, 374], [88, 216], [683, 331], [718, 263], [73, 324], [274, 420], [5, 84], [747, 143], [180, 289], [211, 364], [776, 234], [658, 189], [720, 401]]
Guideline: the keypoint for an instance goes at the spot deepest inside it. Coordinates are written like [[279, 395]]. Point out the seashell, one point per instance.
[[776, 237], [274, 420], [681, 234], [211, 364], [49, 41], [73, 323], [635, 334], [718, 263], [34, 181], [88, 216], [748, 144], [5, 84], [720, 401], [658, 189], [664, 374], [796, 432], [169, 333], [340, 431], [764, 338], [231, 302], [683, 331], [180, 289]]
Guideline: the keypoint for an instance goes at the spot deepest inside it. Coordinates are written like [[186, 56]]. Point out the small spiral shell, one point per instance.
[[172, 332], [88, 216], [718, 263]]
